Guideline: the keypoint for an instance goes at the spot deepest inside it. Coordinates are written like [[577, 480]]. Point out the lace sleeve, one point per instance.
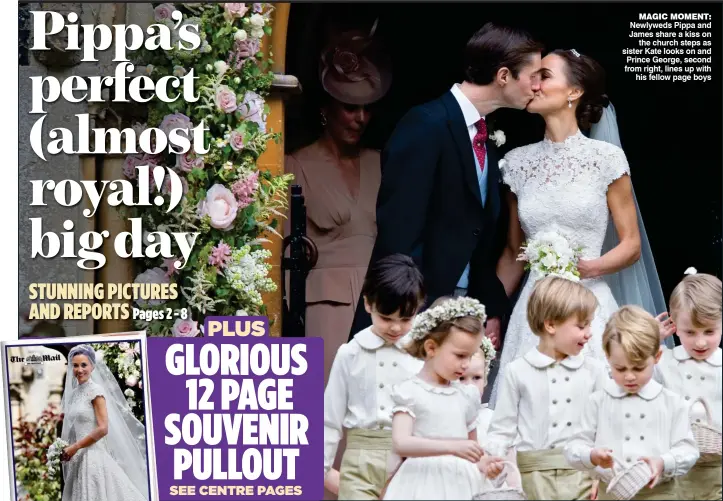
[[510, 171], [615, 165], [95, 391]]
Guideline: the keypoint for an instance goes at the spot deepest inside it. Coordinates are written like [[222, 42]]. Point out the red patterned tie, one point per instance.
[[478, 143]]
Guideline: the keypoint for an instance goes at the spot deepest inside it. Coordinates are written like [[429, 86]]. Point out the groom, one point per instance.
[[439, 199]]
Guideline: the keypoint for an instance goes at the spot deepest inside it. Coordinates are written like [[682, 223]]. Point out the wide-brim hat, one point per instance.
[[353, 70]]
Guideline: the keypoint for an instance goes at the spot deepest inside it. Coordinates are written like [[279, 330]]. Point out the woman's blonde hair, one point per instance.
[[700, 296], [471, 324], [556, 299], [636, 331]]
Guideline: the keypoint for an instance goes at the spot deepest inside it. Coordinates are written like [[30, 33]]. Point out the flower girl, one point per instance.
[[476, 374], [693, 370], [434, 428], [634, 420]]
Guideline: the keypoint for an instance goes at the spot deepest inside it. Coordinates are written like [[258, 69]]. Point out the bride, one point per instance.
[[581, 188], [106, 458]]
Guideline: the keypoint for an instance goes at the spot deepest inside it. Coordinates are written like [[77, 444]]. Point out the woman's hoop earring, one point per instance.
[[323, 119]]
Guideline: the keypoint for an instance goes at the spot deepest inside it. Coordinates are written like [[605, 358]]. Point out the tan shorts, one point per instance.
[[363, 471]]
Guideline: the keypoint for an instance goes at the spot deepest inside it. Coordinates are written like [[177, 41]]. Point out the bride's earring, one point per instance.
[[323, 119], [569, 102]]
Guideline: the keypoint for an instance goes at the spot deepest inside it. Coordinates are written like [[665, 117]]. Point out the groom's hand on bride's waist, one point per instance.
[[492, 331]]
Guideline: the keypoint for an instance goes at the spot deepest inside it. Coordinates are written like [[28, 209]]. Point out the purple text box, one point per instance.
[[266, 469]]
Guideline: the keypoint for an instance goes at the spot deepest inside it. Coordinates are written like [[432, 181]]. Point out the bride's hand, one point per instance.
[[588, 268], [69, 452]]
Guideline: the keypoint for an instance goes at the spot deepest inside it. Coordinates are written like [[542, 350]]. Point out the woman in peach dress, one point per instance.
[[340, 180]]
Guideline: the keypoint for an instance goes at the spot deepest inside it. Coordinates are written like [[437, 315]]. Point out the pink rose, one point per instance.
[[131, 381], [221, 206], [152, 276], [252, 108], [236, 140], [167, 185], [163, 12], [177, 121], [189, 161], [130, 164], [226, 99], [232, 10], [185, 328], [152, 160]]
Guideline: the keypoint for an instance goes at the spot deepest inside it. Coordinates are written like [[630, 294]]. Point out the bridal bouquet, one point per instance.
[[55, 451], [550, 253]]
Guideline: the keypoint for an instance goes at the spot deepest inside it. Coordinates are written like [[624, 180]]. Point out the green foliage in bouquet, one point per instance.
[[124, 362], [32, 441], [228, 200]]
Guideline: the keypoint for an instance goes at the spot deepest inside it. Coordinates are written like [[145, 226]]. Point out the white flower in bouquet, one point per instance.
[[55, 451], [550, 253], [124, 346]]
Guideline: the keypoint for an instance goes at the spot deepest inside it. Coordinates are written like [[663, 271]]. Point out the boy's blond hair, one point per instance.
[[636, 331], [556, 299], [700, 296]]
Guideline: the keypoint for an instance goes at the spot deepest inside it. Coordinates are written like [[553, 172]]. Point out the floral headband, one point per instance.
[[426, 321], [489, 353]]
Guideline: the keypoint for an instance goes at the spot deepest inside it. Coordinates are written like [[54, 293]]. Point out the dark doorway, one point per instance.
[[671, 132]]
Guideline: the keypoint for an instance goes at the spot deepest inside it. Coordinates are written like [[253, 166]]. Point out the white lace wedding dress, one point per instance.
[[93, 474], [562, 187]]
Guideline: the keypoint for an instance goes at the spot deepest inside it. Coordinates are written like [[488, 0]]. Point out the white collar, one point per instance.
[[471, 115], [647, 392], [538, 359], [716, 358], [370, 341]]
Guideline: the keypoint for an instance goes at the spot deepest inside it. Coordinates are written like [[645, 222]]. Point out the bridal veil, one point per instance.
[[126, 438], [637, 284]]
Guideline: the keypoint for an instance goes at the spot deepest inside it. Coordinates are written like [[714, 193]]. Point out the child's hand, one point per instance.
[[331, 481], [656, 466], [491, 466], [602, 458], [467, 449], [667, 326], [594, 490]]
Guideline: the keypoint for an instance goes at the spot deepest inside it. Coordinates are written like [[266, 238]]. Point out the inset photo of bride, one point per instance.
[[77, 409]]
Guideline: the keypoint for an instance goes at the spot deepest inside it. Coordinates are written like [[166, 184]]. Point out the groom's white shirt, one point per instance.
[[471, 117]]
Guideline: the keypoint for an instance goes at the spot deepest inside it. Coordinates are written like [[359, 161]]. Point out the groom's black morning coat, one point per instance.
[[429, 206]]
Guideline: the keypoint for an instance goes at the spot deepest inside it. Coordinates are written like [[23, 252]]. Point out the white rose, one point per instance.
[[129, 393], [257, 20], [179, 71], [257, 32], [131, 380], [124, 346], [240, 35], [498, 137], [550, 261], [241, 313], [221, 67]]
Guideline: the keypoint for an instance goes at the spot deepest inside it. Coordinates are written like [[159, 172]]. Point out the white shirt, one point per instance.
[[652, 423], [471, 117], [540, 401], [358, 394], [693, 379]]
